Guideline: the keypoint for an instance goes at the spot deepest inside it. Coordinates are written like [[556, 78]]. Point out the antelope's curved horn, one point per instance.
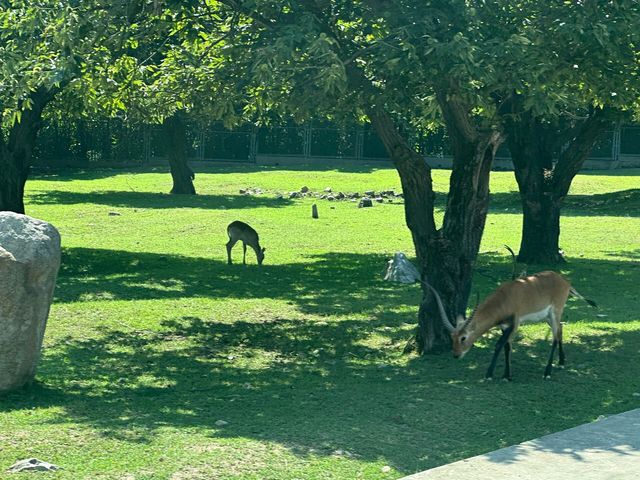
[[443, 314], [473, 312]]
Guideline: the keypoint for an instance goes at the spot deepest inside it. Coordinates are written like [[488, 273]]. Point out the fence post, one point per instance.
[[146, 144], [253, 144], [201, 137], [359, 143], [615, 146], [307, 141]]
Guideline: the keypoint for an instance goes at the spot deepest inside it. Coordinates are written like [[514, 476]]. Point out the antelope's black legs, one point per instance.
[[507, 361], [560, 349], [230, 245], [547, 371], [502, 341]]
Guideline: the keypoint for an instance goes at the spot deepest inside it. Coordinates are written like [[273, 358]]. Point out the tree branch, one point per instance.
[[572, 159]]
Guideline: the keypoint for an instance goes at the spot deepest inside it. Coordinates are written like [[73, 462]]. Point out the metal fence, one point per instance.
[[113, 142]]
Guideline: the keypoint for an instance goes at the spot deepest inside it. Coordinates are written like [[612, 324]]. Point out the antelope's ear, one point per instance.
[[460, 321]]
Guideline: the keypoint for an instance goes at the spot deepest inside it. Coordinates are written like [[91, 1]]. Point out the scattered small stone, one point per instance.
[[304, 189], [379, 199], [354, 195], [322, 197], [33, 465], [114, 214], [390, 200], [328, 190], [331, 198], [386, 469], [636, 394], [332, 208], [294, 194], [279, 196], [221, 423], [242, 191], [399, 195], [370, 193], [342, 453], [601, 315], [340, 196], [365, 202]]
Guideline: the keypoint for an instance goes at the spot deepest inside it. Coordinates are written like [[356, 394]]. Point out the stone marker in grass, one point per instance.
[[29, 261]]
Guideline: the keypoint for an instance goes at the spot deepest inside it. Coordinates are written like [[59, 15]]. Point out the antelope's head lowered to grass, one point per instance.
[[462, 335]]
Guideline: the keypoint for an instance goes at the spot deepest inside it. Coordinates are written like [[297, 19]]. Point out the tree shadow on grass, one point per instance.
[[326, 284], [622, 203], [319, 386], [316, 388], [331, 283], [118, 198], [83, 173]]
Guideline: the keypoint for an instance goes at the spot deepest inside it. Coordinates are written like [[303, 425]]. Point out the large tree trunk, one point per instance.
[[540, 229], [181, 173], [544, 184], [445, 256], [16, 150], [13, 176]]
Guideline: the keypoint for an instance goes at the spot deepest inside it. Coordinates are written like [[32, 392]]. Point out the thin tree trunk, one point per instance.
[[17, 150], [445, 256], [181, 173]]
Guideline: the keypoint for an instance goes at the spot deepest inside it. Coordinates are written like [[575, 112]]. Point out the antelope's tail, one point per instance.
[[515, 261], [575, 293]]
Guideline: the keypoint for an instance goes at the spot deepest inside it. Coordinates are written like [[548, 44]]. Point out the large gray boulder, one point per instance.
[[29, 262]]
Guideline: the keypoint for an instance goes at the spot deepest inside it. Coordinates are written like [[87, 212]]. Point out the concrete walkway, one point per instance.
[[608, 449]]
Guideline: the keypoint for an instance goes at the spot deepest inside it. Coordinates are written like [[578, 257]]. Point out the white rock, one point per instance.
[[221, 423], [29, 262], [386, 469], [33, 465], [400, 269]]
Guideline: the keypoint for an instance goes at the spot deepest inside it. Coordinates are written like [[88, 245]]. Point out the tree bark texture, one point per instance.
[[445, 255], [181, 173], [544, 183], [16, 150]]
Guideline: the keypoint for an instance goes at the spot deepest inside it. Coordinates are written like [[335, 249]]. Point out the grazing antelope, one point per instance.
[[241, 231], [531, 298]]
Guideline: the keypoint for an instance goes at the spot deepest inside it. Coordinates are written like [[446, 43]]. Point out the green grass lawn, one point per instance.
[[153, 339]]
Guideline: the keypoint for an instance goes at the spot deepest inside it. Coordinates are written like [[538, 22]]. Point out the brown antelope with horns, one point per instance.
[[533, 298]]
